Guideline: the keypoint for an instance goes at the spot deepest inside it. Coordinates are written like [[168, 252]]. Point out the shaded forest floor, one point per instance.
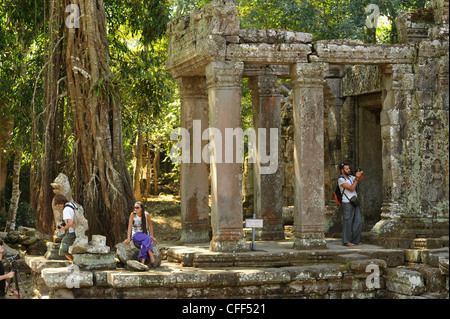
[[165, 212]]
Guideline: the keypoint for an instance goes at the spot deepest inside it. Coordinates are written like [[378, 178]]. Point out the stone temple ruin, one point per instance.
[[381, 107]]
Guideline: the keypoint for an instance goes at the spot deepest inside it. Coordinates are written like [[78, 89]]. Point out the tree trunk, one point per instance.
[[44, 213], [12, 213], [100, 163], [156, 170], [148, 165], [6, 128], [138, 167]]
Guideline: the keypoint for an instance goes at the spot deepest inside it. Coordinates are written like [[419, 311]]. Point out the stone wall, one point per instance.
[[416, 273]]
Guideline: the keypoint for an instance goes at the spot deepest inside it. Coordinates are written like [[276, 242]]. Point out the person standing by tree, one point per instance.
[[68, 216], [352, 219]]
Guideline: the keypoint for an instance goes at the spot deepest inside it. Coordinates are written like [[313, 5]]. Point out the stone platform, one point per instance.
[[281, 254], [274, 270]]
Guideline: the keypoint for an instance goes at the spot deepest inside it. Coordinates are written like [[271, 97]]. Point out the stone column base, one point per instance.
[[232, 241], [401, 232], [227, 246], [310, 243]]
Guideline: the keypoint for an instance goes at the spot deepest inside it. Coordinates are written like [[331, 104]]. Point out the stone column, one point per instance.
[[194, 175], [394, 99], [267, 184], [309, 208], [224, 90]]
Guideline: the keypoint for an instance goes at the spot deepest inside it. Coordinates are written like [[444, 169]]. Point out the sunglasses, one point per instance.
[[136, 207]]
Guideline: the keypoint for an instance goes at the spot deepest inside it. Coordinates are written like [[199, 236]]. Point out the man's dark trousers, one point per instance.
[[351, 224]]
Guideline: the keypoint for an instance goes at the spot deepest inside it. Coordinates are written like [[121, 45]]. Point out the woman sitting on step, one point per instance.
[[139, 226]]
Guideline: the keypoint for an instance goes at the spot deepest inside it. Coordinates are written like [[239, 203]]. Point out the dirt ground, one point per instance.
[[165, 215]]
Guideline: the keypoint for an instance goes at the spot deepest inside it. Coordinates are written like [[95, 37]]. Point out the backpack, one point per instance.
[[338, 194], [74, 207], [71, 205]]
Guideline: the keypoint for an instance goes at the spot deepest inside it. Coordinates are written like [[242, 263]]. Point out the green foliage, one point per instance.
[[25, 212], [325, 20], [183, 7], [146, 18], [21, 58], [138, 55]]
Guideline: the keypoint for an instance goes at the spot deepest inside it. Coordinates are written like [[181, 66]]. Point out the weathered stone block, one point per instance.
[[127, 252], [61, 294], [412, 255], [192, 279], [151, 279], [147, 293], [361, 79], [136, 265], [392, 257], [344, 258], [405, 281], [223, 279], [67, 277], [443, 266], [97, 249], [434, 279], [320, 287], [53, 251], [255, 277], [123, 279], [366, 266], [38, 263], [95, 261], [101, 278], [431, 257]]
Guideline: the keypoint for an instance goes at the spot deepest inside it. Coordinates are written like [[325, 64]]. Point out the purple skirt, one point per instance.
[[145, 242]]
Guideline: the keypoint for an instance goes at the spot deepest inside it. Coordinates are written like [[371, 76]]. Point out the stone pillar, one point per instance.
[[394, 99], [194, 174], [309, 208], [224, 90], [267, 187], [334, 100]]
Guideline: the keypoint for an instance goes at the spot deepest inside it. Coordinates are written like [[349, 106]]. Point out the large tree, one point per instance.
[[79, 71]]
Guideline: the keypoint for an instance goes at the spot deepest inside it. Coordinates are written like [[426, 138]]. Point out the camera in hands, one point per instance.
[[62, 224], [12, 257]]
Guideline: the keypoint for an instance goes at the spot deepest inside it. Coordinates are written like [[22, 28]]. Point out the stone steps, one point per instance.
[[280, 254]]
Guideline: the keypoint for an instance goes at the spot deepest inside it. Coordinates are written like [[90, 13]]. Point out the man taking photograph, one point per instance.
[[3, 277], [352, 218]]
